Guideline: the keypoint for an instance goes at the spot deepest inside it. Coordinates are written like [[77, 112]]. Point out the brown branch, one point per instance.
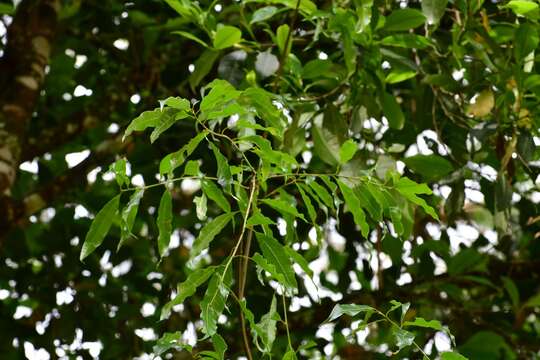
[[15, 212], [22, 70]]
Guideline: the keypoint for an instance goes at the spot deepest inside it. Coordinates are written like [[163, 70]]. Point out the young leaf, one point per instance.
[[164, 222], [347, 151], [209, 232], [100, 227], [355, 207], [274, 252], [404, 19], [128, 215], [188, 288], [215, 194], [227, 36]]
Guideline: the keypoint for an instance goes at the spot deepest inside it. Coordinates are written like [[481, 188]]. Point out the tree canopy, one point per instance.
[[291, 179]]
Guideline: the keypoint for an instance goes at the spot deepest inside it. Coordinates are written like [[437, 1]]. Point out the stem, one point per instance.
[[286, 321], [241, 287]]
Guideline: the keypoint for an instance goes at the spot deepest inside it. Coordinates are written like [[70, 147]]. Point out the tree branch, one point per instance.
[[23, 70]]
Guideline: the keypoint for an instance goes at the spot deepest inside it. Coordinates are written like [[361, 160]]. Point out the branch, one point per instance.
[[15, 212], [23, 70]]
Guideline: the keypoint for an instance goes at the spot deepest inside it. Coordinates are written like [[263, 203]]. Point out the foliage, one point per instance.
[[310, 160]]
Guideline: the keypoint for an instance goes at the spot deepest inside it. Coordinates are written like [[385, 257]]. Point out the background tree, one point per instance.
[[327, 120]]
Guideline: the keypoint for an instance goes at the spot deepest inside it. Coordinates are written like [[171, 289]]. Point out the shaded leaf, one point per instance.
[[100, 227], [164, 222]]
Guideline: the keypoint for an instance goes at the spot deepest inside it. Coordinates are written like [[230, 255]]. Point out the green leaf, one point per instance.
[[355, 207], [402, 337], [168, 118], [283, 207], [526, 40], [431, 167], [397, 76], [274, 253], [421, 322], [368, 202], [190, 36], [281, 38], [312, 213], [410, 41], [257, 218], [209, 232], [164, 222], [172, 161], [223, 172], [452, 356], [192, 168], [347, 151], [512, 290], [348, 309], [267, 327], [409, 189], [533, 301], [200, 206], [213, 303], [289, 355], [119, 169], [524, 8], [203, 66], [392, 112], [100, 227], [326, 145], [263, 14], [264, 265], [299, 259], [145, 120], [404, 19], [128, 215], [221, 94], [188, 288], [170, 341], [261, 101], [177, 103], [227, 36], [214, 193], [220, 346], [434, 10], [322, 193]]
